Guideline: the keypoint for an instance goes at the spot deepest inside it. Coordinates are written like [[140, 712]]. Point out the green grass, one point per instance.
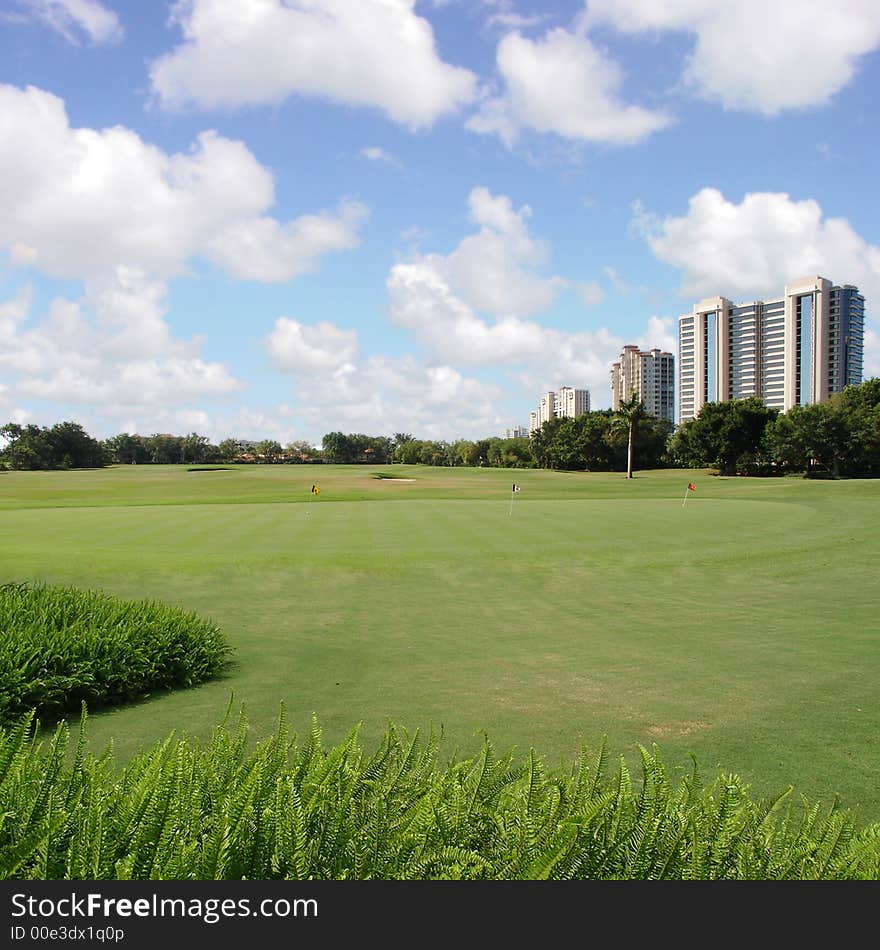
[[741, 628]]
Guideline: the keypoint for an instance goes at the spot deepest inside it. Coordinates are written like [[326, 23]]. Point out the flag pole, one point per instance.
[[514, 488], [687, 491]]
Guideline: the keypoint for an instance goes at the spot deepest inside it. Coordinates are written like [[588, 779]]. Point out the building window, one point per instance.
[[804, 349]]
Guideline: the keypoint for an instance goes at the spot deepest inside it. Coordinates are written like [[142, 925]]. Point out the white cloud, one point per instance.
[[872, 351], [422, 301], [383, 395], [376, 153], [84, 202], [375, 53], [13, 312], [759, 245], [261, 248], [130, 310], [495, 269], [132, 385], [295, 347], [661, 333], [754, 55], [338, 390], [515, 21], [562, 84], [274, 422], [428, 298], [110, 353], [75, 18]]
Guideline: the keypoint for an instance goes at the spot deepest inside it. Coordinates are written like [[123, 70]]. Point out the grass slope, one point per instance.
[[741, 628]]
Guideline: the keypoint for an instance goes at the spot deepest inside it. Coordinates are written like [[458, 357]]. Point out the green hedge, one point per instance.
[[292, 810], [61, 646]]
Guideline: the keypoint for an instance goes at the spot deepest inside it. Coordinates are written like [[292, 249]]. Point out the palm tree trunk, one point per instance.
[[629, 450]]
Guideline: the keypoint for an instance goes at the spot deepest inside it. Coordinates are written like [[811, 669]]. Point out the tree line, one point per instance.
[[840, 437]]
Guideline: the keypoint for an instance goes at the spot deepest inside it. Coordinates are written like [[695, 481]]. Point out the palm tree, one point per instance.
[[629, 413]]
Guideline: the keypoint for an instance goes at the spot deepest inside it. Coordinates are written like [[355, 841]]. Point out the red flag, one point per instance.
[[692, 486]]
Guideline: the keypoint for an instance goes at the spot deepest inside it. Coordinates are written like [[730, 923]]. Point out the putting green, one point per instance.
[[741, 627]]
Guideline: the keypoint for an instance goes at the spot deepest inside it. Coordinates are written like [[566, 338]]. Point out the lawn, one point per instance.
[[741, 627]]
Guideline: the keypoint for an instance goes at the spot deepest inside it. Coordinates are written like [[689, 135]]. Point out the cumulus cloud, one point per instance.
[[295, 347], [872, 351], [758, 245], [422, 301], [84, 202], [459, 326], [758, 56], [661, 333], [123, 217], [13, 313], [137, 383], [375, 53], [74, 19], [400, 394], [497, 269], [274, 422], [378, 394], [561, 84], [109, 353], [261, 248]]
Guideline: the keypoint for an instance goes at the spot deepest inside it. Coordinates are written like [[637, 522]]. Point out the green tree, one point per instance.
[[629, 414], [730, 435], [543, 443], [126, 449], [302, 451], [11, 434], [194, 448], [432, 453], [269, 449], [229, 449], [163, 448], [807, 437], [65, 445], [681, 448], [652, 440], [407, 453], [859, 407], [337, 448], [465, 452], [382, 449], [72, 447]]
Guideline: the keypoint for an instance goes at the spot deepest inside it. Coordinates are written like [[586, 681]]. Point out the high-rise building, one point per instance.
[[566, 403], [797, 350], [517, 432], [571, 403], [648, 373]]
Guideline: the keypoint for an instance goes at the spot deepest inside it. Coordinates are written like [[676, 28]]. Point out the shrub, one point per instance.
[[292, 810], [60, 647]]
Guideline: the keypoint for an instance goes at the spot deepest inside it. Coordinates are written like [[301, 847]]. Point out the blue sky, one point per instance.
[[278, 218]]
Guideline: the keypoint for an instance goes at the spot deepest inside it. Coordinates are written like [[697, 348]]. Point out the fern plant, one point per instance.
[[293, 809], [61, 646]]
